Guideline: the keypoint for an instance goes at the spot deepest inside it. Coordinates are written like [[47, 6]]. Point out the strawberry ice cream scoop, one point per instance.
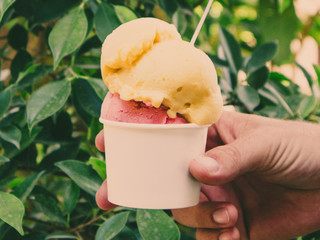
[[115, 109]]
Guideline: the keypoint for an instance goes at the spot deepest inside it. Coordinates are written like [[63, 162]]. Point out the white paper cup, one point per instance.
[[148, 164]]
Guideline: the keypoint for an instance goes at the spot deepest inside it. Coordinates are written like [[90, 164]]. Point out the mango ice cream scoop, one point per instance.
[[146, 60]]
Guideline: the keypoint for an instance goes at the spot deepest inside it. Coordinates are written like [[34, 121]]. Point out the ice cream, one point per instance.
[[116, 109], [145, 60], [154, 79]]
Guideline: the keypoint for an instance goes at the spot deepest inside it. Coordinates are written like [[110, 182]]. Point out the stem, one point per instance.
[[73, 58], [70, 70], [88, 223], [68, 220], [76, 75], [78, 235], [50, 224]]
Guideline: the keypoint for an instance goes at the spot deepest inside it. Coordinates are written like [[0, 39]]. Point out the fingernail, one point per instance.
[[225, 236], [221, 216], [210, 164]]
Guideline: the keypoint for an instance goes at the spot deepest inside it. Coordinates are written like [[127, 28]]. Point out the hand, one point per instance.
[[268, 169], [260, 179]]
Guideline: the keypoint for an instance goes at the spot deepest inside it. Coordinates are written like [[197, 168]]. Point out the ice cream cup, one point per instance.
[[148, 164]]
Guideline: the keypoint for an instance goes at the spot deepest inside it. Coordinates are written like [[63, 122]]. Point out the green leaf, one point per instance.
[[311, 236], [316, 69], [27, 138], [314, 85], [90, 43], [11, 134], [68, 34], [218, 61], [156, 225], [283, 5], [88, 61], [306, 74], [66, 151], [11, 211], [231, 49], [275, 26], [7, 16], [3, 159], [279, 98], [89, 16], [248, 96], [99, 166], [42, 11], [278, 76], [258, 78], [71, 196], [20, 63], [180, 21], [268, 95], [34, 236], [50, 10], [17, 118], [46, 101], [112, 226], [81, 112], [47, 204], [307, 106], [124, 13], [261, 56], [18, 37], [32, 75], [60, 236], [87, 97], [106, 20], [168, 6], [125, 234], [83, 175], [5, 100], [4, 5], [24, 189], [99, 87], [58, 129]]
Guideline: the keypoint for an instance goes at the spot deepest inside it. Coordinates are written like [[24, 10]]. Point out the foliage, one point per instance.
[[50, 103]]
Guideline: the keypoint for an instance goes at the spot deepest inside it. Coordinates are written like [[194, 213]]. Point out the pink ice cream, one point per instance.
[[115, 109]]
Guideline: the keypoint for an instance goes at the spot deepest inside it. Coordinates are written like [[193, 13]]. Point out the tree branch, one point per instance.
[[74, 230]]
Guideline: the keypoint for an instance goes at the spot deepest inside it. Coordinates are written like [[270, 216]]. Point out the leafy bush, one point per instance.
[[51, 93]]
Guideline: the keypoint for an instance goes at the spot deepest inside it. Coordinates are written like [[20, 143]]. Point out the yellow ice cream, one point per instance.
[[146, 60]]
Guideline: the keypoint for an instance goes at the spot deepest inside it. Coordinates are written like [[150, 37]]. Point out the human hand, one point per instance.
[[268, 169], [266, 182]]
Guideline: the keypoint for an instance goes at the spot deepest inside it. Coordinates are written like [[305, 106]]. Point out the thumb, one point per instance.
[[222, 164]]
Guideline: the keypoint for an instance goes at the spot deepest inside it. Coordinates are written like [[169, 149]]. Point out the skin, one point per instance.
[[260, 180]]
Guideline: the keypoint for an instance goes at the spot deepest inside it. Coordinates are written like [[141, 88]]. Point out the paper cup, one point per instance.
[[148, 164]]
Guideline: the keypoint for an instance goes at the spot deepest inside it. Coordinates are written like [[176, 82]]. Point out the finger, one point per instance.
[[100, 141], [225, 234], [232, 125], [203, 197], [208, 215], [102, 197], [248, 153], [213, 138]]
